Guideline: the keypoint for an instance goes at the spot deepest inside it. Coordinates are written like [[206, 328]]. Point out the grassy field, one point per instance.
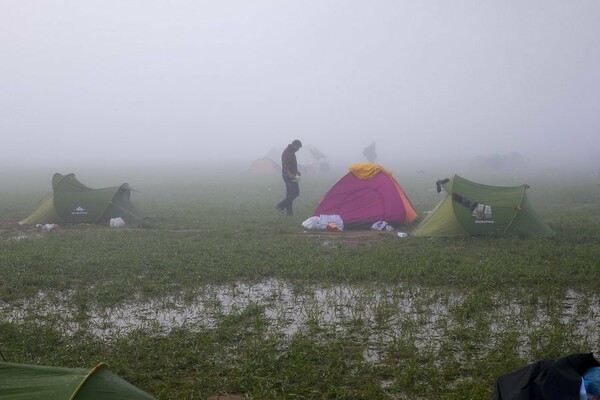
[[217, 294]]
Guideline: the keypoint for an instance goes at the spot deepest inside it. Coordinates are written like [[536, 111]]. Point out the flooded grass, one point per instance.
[[216, 294]]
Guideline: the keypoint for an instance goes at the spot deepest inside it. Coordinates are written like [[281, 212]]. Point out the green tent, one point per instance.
[[73, 202], [471, 208], [33, 382]]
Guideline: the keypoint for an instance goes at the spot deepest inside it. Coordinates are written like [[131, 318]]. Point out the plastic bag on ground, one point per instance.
[[311, 223], [117, 222], [47, 227], [334, 219], [381, 226]]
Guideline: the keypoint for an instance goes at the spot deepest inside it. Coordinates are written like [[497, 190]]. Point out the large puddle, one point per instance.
[[425, 314]]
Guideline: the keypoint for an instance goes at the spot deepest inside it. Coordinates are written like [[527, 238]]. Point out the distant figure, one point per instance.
[[369, 153], [291, 176]]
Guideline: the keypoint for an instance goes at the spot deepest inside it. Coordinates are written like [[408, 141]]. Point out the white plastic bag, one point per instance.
[[331, 220], [381, 226], [117, 222], [311, 223]]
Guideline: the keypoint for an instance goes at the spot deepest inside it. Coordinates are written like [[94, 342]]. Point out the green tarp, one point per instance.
[[33, 382], [73, 202], [473, 209]]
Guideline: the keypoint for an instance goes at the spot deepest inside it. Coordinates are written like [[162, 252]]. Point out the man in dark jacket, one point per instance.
[[290, 173]]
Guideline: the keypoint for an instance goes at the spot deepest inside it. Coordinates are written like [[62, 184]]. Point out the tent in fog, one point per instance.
[[366, 194], [73, 202], [311, 159], [264, 166], [33, 382], [505, 162], [471, 208]]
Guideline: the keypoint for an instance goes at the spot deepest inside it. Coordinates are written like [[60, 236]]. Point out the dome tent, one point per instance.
[[264, 166], [73, 202], [34, 382], [471, 208], [366, 194]]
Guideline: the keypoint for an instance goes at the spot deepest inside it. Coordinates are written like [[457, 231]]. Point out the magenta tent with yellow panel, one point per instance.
[[366, 194]]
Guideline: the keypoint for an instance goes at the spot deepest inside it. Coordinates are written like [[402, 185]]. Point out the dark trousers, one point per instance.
[[292, 190]]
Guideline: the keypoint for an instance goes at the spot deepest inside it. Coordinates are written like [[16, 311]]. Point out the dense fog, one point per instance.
[[134, 83]]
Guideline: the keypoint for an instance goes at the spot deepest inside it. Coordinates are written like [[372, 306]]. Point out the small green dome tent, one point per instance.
[[73, 202], [34, 382], [474, 209]]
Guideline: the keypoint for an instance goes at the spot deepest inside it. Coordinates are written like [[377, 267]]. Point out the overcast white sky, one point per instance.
[[180, 80]]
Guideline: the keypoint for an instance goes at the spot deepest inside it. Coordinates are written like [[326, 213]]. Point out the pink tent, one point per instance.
[[365, 195]]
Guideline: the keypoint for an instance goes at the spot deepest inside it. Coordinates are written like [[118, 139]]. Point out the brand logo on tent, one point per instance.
[[79, 211], [483, 214]]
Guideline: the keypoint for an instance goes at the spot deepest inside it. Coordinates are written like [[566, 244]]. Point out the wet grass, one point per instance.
[[218, 294]]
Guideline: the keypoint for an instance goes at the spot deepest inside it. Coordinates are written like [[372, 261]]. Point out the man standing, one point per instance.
[[291, 175], [370, 153]]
